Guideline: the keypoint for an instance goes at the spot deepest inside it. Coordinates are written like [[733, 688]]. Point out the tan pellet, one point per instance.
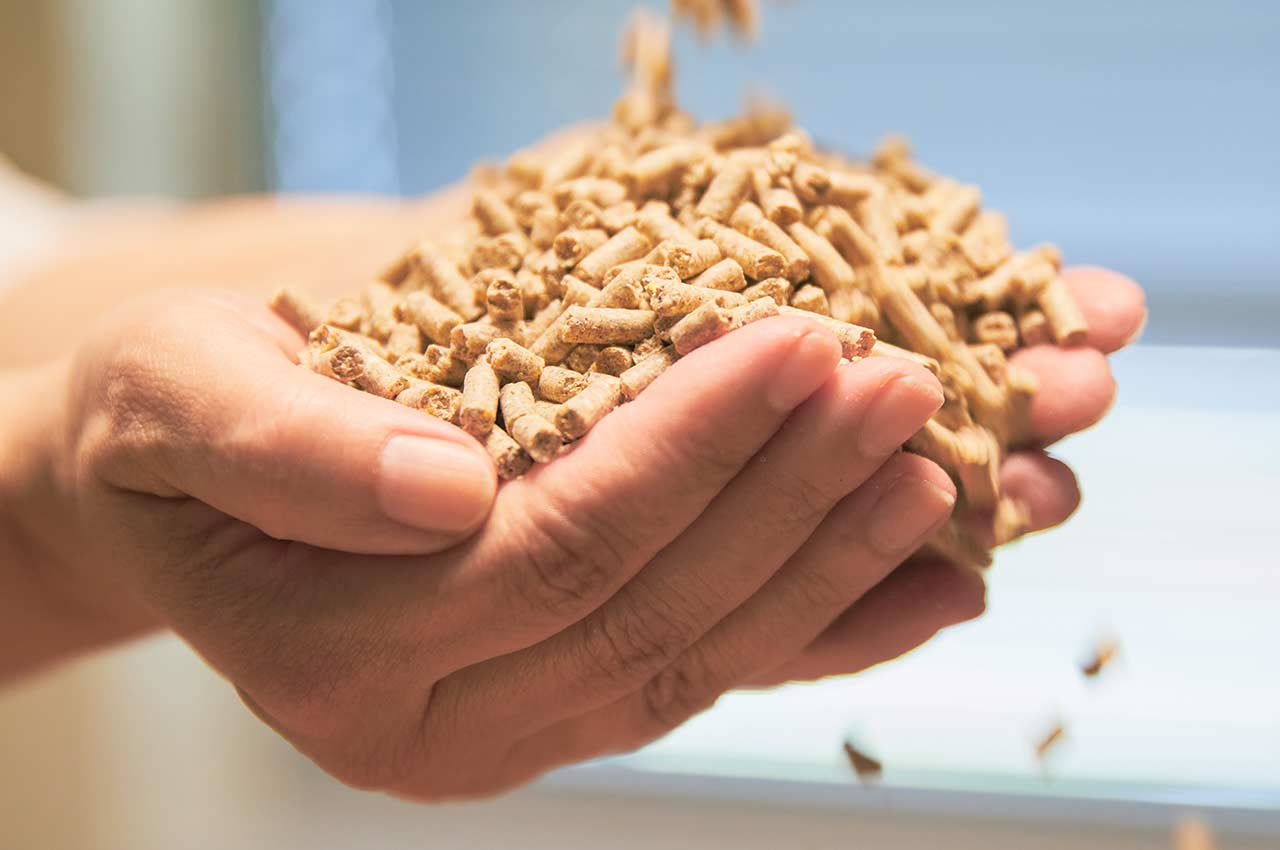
[[433, 318], [760, 308], [757, 260], [513, 362], [511, 460], [996, 327], [776, 288], [442, 367], [299, 311], [580, 414], [347, 313], [884, 349], [571, 246], [673, 298], [646, 370], [1033, 328], [493, 213], [359, 366], [520, 418], [606, 325], [627, 244], [478, 407], [504, 301], [583, 357], [811, 298], [444, 281], [1065, 317], [703, 325], [855, 341], [612, 360], [469, 340], [439, 401], [559, 384], [726, 191], [404, 339], [726, 274], [749, 219]]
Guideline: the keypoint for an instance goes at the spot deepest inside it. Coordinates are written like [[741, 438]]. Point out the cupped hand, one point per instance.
[[351, 567], [926, 594]]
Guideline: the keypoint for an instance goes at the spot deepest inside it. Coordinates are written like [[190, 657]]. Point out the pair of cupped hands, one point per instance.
[[353, 569]]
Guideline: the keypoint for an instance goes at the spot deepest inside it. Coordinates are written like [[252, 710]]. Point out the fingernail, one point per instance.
[[433, 484], [911, 508], [899, 410], [803, 370]]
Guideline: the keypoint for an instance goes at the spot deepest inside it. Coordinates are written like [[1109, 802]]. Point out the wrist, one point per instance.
[[57, 596]]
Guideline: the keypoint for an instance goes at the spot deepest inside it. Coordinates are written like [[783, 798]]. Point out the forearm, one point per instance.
[[50, 608]]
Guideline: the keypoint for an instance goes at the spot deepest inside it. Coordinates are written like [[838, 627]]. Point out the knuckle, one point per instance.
[[677, 693], [636, 641], [135, 418], [572, 563], [800, 501], [819, 589], [705, 456]]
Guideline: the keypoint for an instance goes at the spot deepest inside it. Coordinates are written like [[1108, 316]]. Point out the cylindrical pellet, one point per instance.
[[360, 367], [404, 339], [812, 299], [526, 426], [776, 288], [606, 325], [757, 260], [503, 299], [579, 414], [433, 318], [700, 327], [855, 341], [479, 405], [674, 298], [444, 281], [513, 361], [439, 401], [760, 308], [299, 311], [726, 274], [469, 340], [612, 360], [1065, 318], [725, 191], [559, 384], [996, 327], [627, 244], [511, 460], [493, 213], [749, 219], [646, 371]]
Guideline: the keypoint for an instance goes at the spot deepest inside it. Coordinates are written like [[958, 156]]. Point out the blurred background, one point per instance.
[[1140, 136]]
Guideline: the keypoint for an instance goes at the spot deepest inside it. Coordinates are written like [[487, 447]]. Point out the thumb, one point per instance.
[[221, 414]]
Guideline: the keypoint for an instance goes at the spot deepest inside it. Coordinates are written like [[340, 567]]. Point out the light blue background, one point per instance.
[[1142, 136]]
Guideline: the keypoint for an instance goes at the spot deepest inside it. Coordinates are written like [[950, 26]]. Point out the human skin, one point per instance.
[[423, 632]]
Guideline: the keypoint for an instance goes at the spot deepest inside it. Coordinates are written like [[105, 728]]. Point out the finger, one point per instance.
[[1076, 390], [1114, 307], [564, 538], [1045, 486], [830, 446], [209, 407], [911, 605], [857, 545]]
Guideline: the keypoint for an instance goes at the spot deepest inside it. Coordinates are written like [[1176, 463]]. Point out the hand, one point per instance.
[[347, 564], [926, 595]]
